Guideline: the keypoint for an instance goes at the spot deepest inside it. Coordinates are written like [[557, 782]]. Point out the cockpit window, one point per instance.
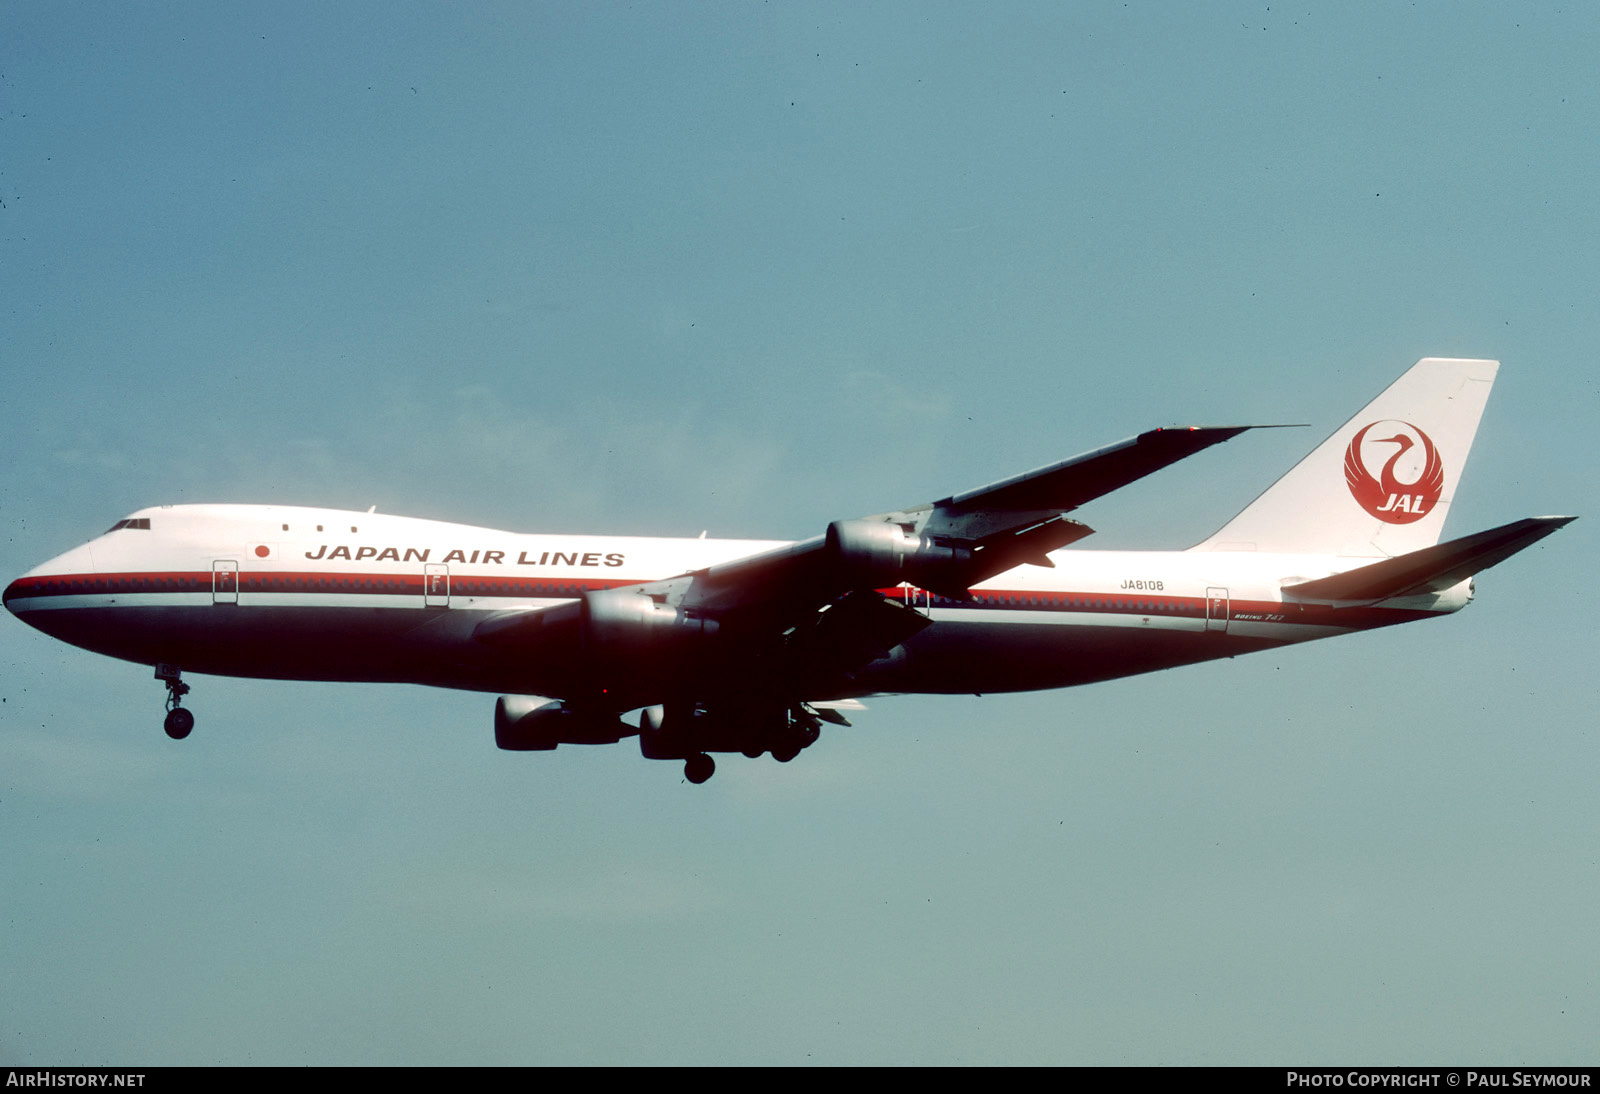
[[141, 522]]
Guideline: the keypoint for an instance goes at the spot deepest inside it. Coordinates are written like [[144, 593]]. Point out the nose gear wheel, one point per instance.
[[179, 721]]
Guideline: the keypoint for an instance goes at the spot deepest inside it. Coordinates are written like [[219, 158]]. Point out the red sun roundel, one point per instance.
[[1385, 495]]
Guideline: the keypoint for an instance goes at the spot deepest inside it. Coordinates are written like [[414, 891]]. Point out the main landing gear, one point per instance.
[[179, 720], [688, 733]]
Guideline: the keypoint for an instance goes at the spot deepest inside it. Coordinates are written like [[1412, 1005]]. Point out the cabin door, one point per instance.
[[1216, 609], [224, 581], [919, 600], [435, 585]]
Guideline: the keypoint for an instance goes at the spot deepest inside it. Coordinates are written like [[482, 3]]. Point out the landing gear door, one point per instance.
[[224, 581], [1216, 609], [435, 585]]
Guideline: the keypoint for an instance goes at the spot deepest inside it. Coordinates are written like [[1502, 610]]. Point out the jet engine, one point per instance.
[[532, 723], [625, 619], [879, 554]]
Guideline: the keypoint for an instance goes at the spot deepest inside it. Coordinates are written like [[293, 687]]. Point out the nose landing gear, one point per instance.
[[179, 721]]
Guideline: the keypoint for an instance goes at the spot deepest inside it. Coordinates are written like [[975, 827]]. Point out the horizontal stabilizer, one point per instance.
[[1431, 569]]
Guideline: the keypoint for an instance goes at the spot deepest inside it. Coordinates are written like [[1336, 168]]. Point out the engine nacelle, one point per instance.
[[622, 619], [656, 742], [532, 723], [881, 554]]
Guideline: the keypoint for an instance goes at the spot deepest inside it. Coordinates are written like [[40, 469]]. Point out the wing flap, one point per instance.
[[855, 630], [996, 554]]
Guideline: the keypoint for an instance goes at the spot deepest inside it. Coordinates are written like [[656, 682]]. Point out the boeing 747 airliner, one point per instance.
[[749, 646]]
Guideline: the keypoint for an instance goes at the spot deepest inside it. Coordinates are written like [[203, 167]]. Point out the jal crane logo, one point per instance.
[[1413, 456]]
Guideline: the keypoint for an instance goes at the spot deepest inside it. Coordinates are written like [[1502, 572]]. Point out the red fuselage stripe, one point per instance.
[[390, 584]]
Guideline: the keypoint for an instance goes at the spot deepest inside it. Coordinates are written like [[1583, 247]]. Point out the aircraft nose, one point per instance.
[[22, 595], [21, 598], [13, 592]]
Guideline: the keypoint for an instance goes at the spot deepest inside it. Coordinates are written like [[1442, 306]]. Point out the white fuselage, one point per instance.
[[299, 593]]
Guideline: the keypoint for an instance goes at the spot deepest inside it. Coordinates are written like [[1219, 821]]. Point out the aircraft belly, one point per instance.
[[975, 657], [967, 650], [361, 644]]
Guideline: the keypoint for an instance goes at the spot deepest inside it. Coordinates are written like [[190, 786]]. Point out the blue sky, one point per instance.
[[655, 269]]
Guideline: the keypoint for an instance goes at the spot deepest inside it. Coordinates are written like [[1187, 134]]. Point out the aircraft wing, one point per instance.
[[954, 543], [945, 546], [1066, 485]]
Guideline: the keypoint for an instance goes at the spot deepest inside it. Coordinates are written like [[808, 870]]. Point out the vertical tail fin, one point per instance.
[[1382, 483]]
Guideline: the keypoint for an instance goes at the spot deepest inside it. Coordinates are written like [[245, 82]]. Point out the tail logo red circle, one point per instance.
[[1411, 475]]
